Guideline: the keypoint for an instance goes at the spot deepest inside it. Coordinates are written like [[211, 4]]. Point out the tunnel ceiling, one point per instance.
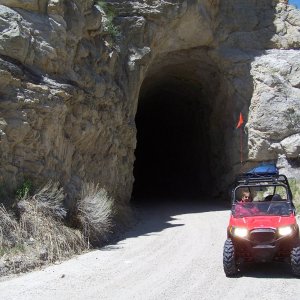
[[173, 154]]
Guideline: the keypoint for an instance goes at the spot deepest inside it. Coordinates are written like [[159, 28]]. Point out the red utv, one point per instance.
[[262, 228]]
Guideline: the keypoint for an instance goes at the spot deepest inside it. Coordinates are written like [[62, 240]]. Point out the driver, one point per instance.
[[244, 207]]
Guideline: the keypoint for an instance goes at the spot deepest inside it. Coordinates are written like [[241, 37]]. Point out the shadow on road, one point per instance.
[[153, 215], [267, 270]]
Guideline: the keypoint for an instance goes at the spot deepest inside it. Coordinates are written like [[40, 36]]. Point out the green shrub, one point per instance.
[[24, 190], [112, 29]]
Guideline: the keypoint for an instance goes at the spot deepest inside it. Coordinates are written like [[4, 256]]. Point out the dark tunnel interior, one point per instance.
[[173, 138]]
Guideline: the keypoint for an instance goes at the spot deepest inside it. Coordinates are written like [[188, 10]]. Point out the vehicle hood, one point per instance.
[[262, 221]]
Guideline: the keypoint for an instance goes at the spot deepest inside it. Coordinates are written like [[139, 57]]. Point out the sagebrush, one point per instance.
[[35, 233], [95, 213]]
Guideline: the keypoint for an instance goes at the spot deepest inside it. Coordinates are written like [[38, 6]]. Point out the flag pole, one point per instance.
[[241, 144], [240, 126]]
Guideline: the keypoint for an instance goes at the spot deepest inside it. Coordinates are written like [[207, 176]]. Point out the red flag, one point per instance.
[[241, 121]]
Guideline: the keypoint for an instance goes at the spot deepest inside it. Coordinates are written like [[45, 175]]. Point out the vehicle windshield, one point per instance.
[[261, 200]]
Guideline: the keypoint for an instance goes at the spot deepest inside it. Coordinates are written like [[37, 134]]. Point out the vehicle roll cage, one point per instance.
[[265, 180]]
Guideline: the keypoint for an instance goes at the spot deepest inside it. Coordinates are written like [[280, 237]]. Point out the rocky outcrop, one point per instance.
[[61, 109], [274, 111], [69, 90]]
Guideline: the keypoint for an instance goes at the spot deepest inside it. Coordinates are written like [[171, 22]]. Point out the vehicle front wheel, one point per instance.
[[295, 261], [229, 261]]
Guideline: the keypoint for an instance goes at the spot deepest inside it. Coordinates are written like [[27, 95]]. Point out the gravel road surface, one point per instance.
[[174, 252]]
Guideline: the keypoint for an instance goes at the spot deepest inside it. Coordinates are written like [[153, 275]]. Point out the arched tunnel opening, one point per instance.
[[175, 146]]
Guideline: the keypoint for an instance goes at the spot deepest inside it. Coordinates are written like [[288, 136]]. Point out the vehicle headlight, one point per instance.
[[287, 230], [240, 232]]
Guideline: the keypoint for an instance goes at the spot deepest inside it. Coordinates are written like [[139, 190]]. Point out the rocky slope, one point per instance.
[[70, 91]]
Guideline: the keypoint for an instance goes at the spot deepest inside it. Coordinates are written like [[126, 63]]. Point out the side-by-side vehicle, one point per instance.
[[262, 226]]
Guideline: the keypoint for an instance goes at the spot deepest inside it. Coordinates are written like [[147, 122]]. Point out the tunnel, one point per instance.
[[177, 124]]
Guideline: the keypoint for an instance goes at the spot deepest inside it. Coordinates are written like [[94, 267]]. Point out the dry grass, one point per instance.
[[50, 199], [37, 235], [52, 240], [95, 214], [10, 231]]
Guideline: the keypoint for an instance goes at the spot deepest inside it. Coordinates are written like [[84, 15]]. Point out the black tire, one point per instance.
[[295, 261], [229, 263]]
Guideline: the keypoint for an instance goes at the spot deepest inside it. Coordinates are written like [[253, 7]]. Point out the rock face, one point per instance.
[[70, 92]]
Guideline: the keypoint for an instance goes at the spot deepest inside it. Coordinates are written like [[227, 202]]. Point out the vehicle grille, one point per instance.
[[262, 236]]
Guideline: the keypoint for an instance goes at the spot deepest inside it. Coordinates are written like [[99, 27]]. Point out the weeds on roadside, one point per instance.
[[35, 233], [95, 213], [10, 231]]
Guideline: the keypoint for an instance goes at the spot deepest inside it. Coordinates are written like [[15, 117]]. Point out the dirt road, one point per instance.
[[174, 252]]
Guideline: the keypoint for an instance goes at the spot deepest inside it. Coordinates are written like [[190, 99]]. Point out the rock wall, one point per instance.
[[69, 90]]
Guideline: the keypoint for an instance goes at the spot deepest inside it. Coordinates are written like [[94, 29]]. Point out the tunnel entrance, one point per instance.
[[173, 153]]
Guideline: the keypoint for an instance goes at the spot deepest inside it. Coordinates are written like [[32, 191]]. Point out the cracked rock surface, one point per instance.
[[69, 90]]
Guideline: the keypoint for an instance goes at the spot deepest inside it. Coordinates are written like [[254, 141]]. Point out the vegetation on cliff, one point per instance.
[[110, 14]]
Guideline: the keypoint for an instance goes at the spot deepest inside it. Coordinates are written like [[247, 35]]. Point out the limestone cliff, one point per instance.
[[70, 91]]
